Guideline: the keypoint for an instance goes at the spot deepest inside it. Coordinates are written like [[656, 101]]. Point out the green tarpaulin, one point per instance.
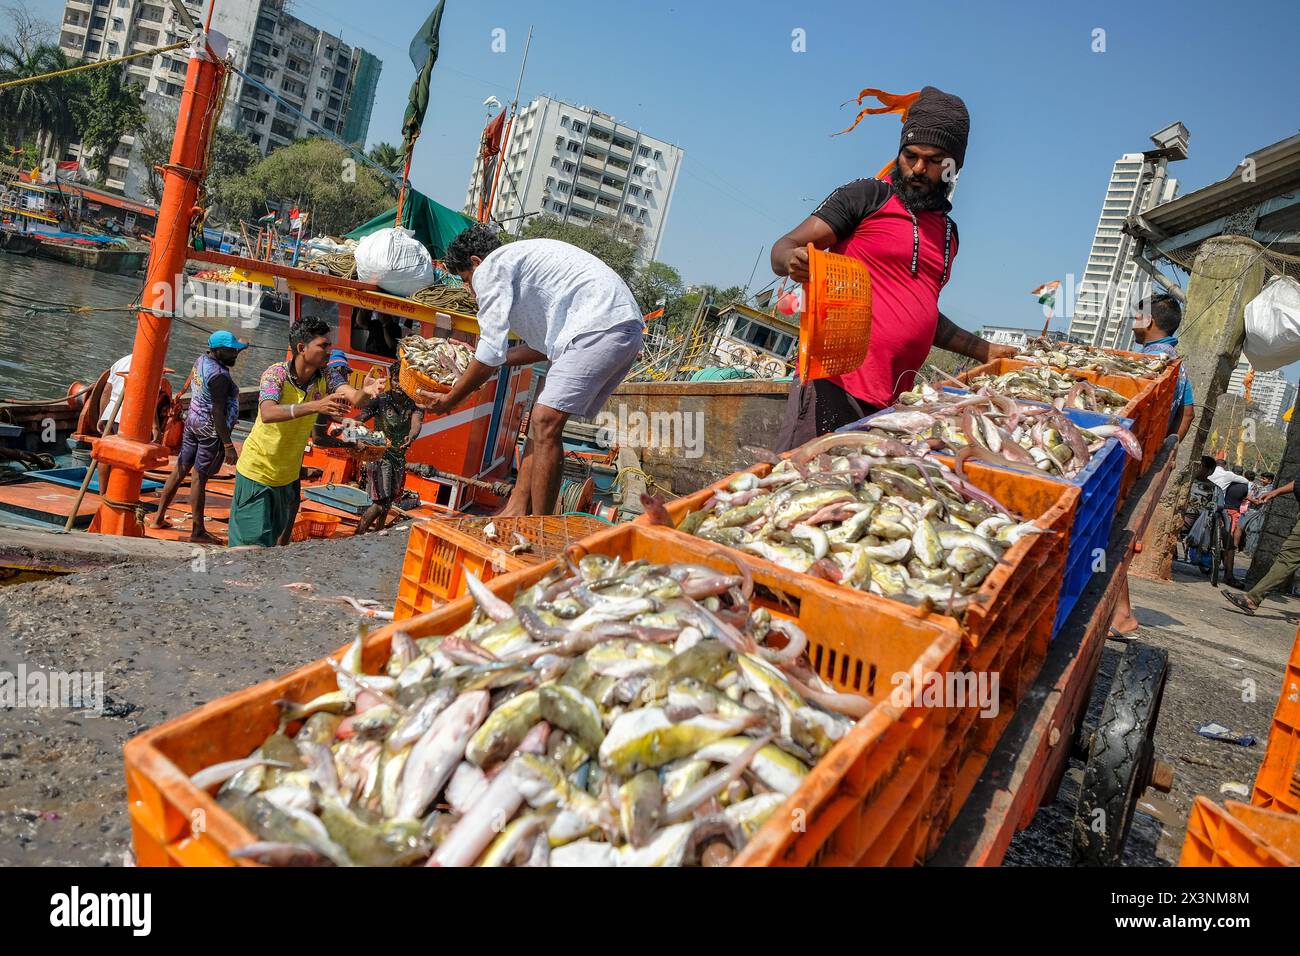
[[433, 223]]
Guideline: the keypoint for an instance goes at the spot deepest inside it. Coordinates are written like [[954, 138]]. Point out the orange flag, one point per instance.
[[898, 103]]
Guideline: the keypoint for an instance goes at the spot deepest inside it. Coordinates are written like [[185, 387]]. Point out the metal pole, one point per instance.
[[505, 139], [131, 451]]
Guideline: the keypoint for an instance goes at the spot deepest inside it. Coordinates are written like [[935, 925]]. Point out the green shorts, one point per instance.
[[260, 514]]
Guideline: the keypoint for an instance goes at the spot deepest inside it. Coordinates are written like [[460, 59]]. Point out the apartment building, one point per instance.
[[581, 165], [1269, 390], [330, 82]]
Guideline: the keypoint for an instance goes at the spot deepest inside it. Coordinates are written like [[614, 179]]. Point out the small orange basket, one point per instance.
[[410, 379], [314, 524], [836, 323]]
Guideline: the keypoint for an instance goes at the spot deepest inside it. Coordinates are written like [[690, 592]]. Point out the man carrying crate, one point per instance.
[[898, 225], [569, 308]]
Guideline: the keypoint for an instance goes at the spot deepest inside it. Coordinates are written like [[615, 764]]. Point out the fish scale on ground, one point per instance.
[[574, 725]]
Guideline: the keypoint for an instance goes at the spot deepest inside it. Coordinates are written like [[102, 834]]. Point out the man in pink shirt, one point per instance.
[[899, 226]]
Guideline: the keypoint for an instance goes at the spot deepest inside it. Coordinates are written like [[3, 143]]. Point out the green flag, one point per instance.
[[424, 53]]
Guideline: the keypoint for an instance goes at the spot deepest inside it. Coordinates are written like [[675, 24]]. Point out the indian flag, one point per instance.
[[1046, 293]]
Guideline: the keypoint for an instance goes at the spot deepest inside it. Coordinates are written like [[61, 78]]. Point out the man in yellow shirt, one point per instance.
[[292, 394]]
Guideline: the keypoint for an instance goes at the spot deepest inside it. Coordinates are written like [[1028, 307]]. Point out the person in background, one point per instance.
[[1261, 486], [899, 227], [1284, 565], [112, 399], [206, 443], [396, 415], [1155, 321], [291, 395], [568, 307]]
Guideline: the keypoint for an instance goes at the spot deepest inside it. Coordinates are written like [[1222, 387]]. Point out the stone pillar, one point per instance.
[[1282, 510], [1228, 273]]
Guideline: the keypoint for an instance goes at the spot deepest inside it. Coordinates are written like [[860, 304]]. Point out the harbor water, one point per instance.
[[42, 352]]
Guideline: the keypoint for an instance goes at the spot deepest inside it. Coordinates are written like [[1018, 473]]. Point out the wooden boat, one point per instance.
[[467, 455]]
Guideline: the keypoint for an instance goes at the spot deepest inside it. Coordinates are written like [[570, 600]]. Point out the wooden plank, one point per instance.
[[1031, 754]]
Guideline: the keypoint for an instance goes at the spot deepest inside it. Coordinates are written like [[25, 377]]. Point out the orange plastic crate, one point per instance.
[[1277, 785], [314, 524], [439, 552], [1150, 403], [836, 323], [1028, 565], [853, 808], [1238, 834]]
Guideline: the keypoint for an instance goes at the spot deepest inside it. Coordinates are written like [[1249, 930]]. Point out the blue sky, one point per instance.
[[1049, 115]]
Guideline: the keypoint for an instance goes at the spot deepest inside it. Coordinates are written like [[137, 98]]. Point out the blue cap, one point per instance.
[[222, 339], [338, 357]]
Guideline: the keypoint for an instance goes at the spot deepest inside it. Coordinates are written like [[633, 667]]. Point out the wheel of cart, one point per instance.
[[1121, 757]]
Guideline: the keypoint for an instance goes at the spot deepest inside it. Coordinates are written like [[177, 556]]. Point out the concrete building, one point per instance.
[[1018, 337], [581, 165], [327, 80], [1111, 284], [1269, 390]]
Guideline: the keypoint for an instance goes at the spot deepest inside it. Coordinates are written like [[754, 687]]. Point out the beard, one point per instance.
[[918, 193]]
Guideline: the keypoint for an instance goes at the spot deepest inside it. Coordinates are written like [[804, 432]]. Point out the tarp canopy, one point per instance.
[[433, 223]]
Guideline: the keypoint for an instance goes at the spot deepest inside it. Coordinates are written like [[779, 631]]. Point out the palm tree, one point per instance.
[[389, 157], [42, 108]]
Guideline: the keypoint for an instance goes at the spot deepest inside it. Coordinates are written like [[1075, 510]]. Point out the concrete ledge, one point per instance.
[[31, 549]]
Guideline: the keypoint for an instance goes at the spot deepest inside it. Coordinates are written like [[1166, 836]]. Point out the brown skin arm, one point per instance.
[[470, 381], [220, 392], [790, 252], [274, 413], [953, 338], [417, 419], [523, 355], [1184, 424]]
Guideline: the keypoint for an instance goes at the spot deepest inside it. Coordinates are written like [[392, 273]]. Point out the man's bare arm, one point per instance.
[[1185, 421], [953, 338], [790, 252]]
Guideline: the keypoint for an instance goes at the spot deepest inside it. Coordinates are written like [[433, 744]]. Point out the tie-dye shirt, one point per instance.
[[200, 417]]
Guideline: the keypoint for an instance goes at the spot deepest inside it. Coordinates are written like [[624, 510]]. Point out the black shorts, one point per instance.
[[818, 408], [204, 454]]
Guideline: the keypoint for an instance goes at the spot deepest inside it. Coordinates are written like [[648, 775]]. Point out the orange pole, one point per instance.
[[501, 161], [131, 451], [406, 175]]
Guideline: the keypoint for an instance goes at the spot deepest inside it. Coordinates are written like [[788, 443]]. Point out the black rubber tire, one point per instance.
[[1120, 757]]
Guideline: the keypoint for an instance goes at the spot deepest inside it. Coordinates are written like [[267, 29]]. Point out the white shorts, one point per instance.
[[586, 373]]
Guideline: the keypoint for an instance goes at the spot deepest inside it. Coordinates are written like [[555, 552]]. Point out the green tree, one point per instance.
[[657, 284], [106, 106], [616, 254], [316, 175], [40, 112], [389, 157]]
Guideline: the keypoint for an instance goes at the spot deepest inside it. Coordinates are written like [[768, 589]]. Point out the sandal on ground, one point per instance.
[[1239, 601]]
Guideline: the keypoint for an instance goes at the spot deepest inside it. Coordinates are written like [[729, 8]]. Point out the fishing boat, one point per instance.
[[17, 243], [51, 218]]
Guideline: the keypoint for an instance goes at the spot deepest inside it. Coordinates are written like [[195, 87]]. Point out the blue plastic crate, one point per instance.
[[1098, 485]]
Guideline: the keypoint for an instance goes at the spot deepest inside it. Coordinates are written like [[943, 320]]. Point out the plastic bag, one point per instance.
[[1273, 325], [395, 261], [1199, 536]]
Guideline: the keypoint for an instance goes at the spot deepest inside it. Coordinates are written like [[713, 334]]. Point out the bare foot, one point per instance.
[[160, 521], [202, 537]]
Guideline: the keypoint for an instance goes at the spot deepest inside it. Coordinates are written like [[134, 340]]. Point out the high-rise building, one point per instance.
[[312, 72], [581, 165], [1269, 390], [1111, 283], [331, 83]]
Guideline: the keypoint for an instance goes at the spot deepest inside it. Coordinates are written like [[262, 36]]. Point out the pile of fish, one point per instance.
[[361, 435], [1043, 384], [1091, 359], [616, 714], [995, 428], [442, 360], [876, 517]]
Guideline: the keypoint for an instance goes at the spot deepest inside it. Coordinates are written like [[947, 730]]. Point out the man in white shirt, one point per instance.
[[116, 385], [568, 307]]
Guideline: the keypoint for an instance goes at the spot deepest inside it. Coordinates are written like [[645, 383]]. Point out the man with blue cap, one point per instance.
[[206, 444]]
